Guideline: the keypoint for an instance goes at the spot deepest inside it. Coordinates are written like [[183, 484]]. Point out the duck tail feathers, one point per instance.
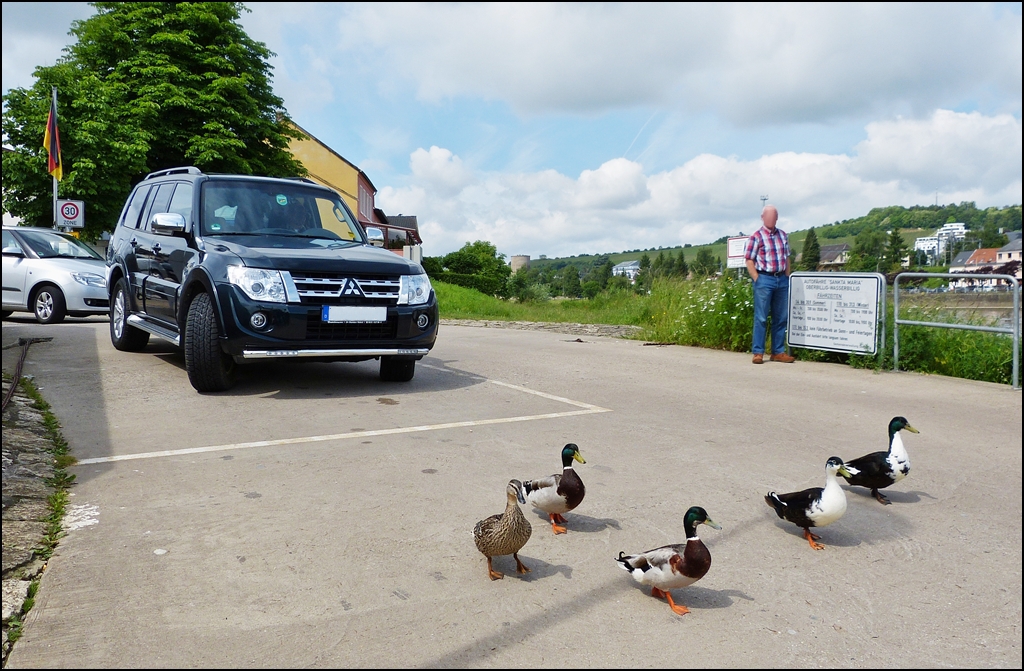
[[624, 562], [773, 501]]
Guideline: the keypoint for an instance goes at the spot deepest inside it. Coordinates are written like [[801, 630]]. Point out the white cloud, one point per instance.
[[617, 207], [752, 63]]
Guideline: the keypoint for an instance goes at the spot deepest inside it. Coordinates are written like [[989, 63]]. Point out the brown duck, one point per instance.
[[506, 533]]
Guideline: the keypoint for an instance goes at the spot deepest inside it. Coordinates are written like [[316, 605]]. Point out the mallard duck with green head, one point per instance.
[[814, 507], [505, 533], [673, 566], [878, 470], [559, 493]]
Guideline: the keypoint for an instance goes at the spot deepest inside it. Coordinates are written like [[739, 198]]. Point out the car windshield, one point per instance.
[[265, 208], [49, 245]]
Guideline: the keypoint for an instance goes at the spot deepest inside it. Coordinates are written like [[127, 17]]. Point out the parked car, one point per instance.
[[236, 268], [51, 275]]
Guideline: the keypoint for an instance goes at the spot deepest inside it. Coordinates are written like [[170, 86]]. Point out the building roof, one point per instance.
[[626, 264], [983, 257], [832, 252], [1012, 246], [961, 258], [406, 221]]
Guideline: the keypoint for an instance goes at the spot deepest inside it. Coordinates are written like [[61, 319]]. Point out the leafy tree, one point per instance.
[[145, 86], [895, 250], [704, 265], [591, 289], [571, 282], [811, 254], [868, 248], [987, 236]]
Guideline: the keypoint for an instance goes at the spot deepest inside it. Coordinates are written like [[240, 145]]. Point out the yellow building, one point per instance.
[[328, 167]]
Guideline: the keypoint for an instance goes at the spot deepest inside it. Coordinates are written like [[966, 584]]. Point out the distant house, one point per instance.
[[1009, 253], [628, 269], [834, 257], [399, 229], [978, 261]]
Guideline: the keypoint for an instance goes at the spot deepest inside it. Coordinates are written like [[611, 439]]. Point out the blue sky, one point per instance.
[[587, 128]]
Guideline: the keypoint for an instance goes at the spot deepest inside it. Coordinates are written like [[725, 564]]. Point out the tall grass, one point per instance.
[[719, 314]]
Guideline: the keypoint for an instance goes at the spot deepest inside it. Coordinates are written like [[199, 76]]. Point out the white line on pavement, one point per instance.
[[588, 409]]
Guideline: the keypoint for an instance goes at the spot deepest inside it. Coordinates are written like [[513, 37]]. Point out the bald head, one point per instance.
[[770, 216]]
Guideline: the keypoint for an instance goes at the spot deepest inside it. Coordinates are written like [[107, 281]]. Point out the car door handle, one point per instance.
[[133, 242], [156, 248]]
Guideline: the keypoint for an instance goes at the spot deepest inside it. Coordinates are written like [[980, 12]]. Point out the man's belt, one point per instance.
[[777, 273]]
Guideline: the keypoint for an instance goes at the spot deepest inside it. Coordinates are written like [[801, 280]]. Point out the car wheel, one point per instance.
[[393, 369], [49, 305], [209, 369], [124, 336]]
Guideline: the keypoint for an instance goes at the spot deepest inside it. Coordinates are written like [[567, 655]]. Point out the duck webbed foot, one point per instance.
[[555, 519], [678, 609], [494, 575], [520, 566], [881, 497], [812, 538]]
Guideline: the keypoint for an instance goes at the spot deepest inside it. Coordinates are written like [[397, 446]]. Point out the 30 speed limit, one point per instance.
[[70, 214]]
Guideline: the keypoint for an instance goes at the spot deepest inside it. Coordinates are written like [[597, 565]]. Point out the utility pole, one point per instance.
[[764, 199]]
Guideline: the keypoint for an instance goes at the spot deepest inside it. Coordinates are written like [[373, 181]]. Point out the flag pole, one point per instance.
[[54, 176]]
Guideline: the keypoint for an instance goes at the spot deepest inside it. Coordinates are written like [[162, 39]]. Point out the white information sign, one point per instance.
[[70, 214], [835, 311], [736, 250]]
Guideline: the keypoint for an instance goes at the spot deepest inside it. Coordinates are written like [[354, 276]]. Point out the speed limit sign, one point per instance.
[[70, 214]]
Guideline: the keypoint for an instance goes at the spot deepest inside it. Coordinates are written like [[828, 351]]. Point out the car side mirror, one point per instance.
[[375, 236], [13, 251], [167, 223]]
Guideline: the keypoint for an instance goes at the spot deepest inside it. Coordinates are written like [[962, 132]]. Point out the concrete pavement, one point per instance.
[[315, 516]]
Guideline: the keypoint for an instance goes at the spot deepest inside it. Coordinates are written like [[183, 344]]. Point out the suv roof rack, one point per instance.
[[186, 170]]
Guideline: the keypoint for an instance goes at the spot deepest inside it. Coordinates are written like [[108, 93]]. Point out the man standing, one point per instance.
[[768, 264]]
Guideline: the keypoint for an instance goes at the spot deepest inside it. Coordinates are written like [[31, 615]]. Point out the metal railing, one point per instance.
[[1013, 330]]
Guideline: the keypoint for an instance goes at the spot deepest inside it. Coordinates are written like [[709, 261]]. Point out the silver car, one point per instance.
[[52, 275]]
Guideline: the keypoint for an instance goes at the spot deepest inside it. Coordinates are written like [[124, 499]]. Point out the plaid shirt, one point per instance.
[[768, 249]]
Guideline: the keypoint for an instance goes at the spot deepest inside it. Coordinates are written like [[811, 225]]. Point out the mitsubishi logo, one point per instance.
[[351, 288]]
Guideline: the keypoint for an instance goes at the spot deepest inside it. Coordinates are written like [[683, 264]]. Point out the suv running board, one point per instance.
[[159, 331], [285, 353]]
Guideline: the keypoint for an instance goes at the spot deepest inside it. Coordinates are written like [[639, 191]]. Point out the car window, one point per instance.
[[131, 215], [181, 201], [49, 245], [157, 204], [10, 242], [268, 208]]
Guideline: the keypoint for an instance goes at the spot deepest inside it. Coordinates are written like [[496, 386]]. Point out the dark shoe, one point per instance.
[[782, 357], [759, 358]]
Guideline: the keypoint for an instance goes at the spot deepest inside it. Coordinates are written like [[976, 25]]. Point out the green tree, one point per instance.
[[145, 86], [705, 264], [571, 286], [682, 269], [811, 255], [895, 250]]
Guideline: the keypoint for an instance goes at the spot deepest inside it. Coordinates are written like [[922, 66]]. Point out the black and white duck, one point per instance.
[[814, 507], [558, 494], [505, 533], [673, 566], [878, 470]]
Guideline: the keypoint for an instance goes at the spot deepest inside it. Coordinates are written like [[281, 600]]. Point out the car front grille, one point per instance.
[[316, 329], [337, 289]]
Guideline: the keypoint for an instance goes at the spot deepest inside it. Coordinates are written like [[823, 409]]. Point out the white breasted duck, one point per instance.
[[878, 470], [673, 566], [559, 493], [814, 507]]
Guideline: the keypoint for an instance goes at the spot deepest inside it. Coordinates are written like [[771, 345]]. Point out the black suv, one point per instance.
[[236, 268]]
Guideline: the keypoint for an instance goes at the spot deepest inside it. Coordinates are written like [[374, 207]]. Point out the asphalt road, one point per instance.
[[315, 516]]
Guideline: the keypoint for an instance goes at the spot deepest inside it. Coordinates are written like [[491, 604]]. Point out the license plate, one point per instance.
[[334, 314]]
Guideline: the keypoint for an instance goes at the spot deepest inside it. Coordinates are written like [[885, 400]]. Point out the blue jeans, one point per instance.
[[771, 294]]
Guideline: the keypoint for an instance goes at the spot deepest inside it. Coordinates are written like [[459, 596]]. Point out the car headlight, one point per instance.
[[90, 279], [413, 290], [258, 284]]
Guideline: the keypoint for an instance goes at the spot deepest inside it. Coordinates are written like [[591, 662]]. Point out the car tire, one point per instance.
[[209, 369], [393, 369], [124, 336], [48, 304]]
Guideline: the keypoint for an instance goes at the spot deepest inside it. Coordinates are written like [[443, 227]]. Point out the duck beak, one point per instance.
[[712, 524], [519, 495], [848, 471], [911, 429], [579, 457]]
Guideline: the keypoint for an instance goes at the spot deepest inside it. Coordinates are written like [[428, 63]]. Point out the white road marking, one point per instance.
[[587, 409]]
